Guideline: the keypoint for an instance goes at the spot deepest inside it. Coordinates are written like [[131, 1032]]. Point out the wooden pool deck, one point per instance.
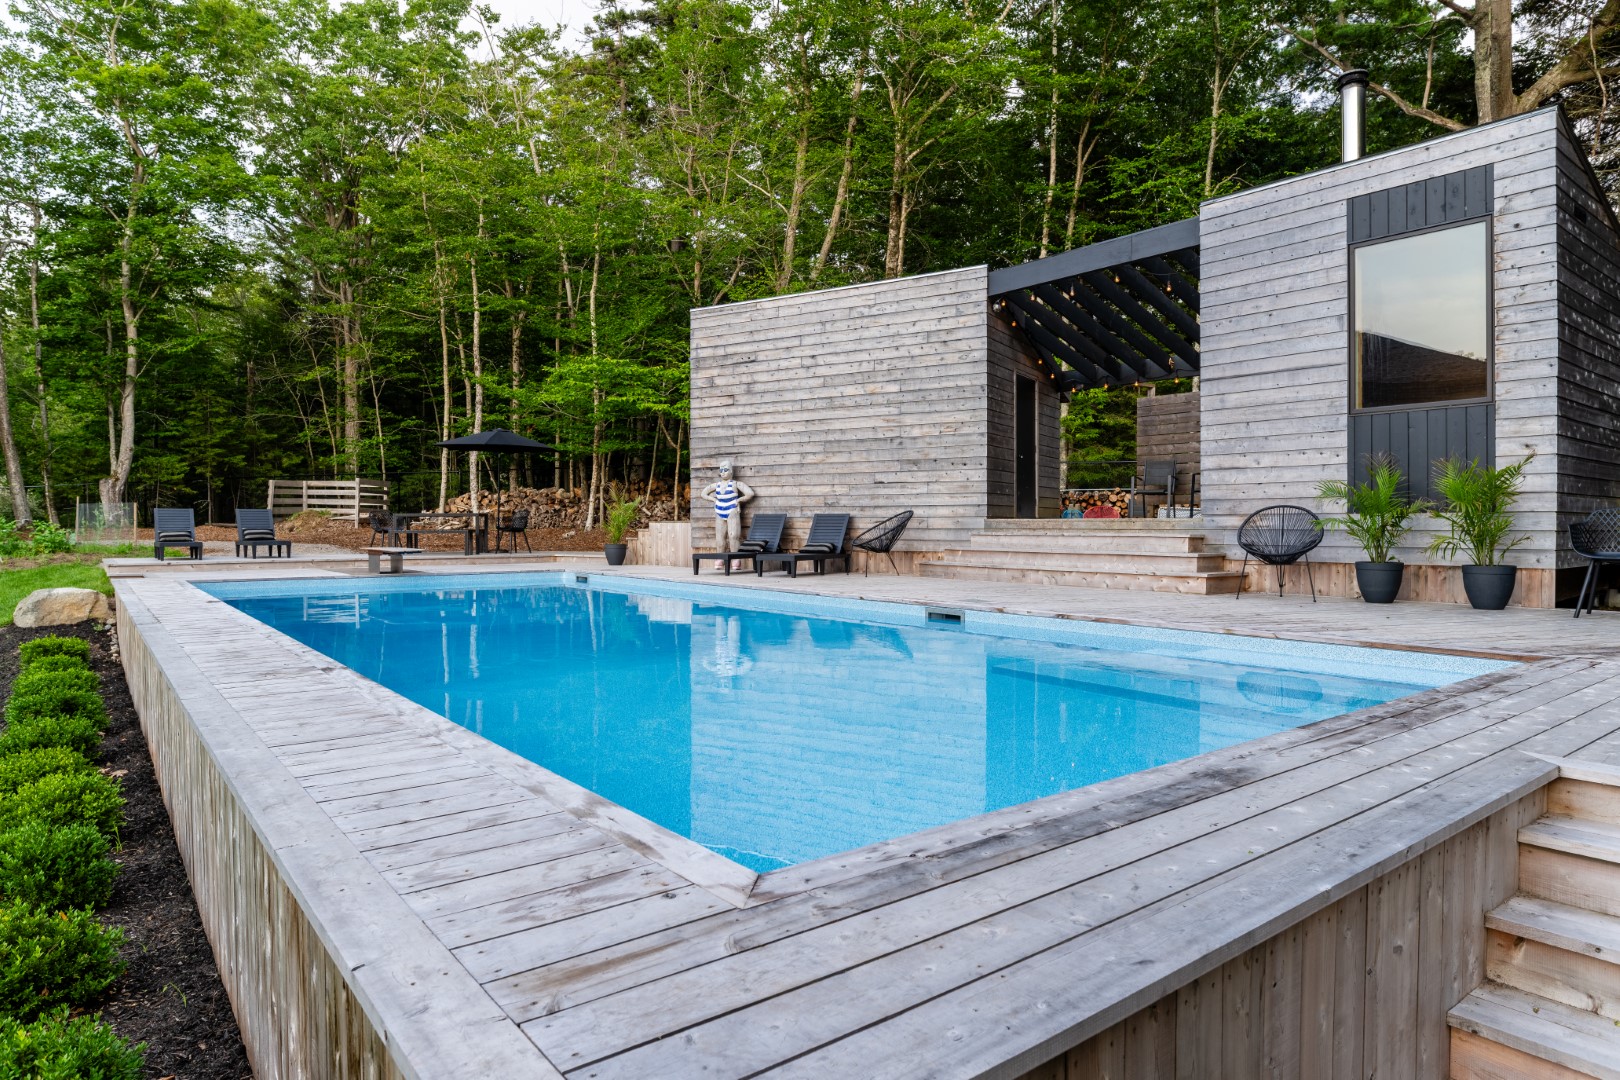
[[573, 944]]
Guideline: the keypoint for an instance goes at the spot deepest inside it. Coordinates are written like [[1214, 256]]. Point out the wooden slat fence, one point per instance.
[[351, 500]]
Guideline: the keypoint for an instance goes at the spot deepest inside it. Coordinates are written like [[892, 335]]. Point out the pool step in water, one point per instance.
[[1550, 1008]]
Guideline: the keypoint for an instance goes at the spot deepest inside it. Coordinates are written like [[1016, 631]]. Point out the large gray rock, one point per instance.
[[60, 607]]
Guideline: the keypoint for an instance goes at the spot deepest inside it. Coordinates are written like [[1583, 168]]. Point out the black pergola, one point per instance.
[[1116, 312]]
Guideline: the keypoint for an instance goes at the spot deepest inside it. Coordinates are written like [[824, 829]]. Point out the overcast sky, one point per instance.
[[572, 13]]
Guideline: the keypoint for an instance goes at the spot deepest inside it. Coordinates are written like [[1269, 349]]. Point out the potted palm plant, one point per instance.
[[621, 517], [1376, 514], [1477, 510]]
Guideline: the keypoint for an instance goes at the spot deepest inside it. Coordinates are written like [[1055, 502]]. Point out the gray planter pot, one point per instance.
[[1379, 581], [1489, 587], [615, 553]]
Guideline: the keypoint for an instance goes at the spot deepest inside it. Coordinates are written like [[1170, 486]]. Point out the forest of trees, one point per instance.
[[252, 238]]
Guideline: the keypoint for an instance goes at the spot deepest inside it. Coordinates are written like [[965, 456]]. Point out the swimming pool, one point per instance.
[[778, 729]]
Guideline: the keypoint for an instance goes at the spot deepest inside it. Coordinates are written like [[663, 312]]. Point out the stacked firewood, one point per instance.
[[564, 507], [1082, 501]]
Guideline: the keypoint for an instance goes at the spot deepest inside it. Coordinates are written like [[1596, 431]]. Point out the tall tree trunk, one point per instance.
[[1051, 144], [894, 257], [446, 420], [1493, 59], [350, 367], [801, 182], [477, 368], [39, 372], [517, 376], [846, 171], [113, 486], [14, 477]]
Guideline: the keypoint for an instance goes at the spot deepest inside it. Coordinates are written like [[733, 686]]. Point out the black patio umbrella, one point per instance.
[[496, 441]]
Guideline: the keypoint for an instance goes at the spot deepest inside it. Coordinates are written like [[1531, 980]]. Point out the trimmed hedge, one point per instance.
[[59, 1047], [65, 866], [40, 648], [35, 681], [66, 799], [55, 663], [81, 734], [51, 958], [56, 699], [25, 766]]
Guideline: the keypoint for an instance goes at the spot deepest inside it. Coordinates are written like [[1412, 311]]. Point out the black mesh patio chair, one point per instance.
[[1152, 478], [256, 528], [1280, 536], [175, 527], [881, 538], [1598, 539], [764, 536], [824, 544], [517, 525], [382, 526]]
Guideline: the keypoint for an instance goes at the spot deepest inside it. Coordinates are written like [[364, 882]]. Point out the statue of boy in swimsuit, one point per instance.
[[728, 495]]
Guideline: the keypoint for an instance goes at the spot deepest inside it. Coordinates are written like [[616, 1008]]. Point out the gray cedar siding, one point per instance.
[[1589, 344], [1275, 363], [1009, 357], [1167, 428], [869, 399]]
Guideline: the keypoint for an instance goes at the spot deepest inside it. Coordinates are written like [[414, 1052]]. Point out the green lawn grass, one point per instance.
[[16, 584]]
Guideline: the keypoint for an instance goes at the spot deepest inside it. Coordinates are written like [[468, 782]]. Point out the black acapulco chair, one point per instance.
[[881, 538], [1598, 539], [1280, 536]]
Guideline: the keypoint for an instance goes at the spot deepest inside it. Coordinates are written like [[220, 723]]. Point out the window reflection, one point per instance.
[[1422, 318]]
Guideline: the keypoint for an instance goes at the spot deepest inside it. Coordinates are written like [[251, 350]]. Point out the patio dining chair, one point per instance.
[[382, 526], [516, 525], [1598, 539], [1280, 536], [881, 538], [1152, 478]]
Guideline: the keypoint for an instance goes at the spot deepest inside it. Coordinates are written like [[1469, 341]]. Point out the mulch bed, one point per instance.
[[170, 997]]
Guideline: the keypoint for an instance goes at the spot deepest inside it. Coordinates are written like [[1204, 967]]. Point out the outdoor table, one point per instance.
[[474, 540]]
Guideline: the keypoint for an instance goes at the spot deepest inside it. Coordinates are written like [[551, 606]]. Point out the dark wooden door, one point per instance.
[[1024, 499]]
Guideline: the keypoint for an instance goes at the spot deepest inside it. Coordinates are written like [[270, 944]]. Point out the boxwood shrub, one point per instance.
[[51, 958], [80, 734], [66, 799], [56, 867], [39, 648], [56, 699], [55, 663], [62, 1047], [26, 766], [35, 680]]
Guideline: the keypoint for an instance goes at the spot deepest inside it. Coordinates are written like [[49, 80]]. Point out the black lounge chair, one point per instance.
[[255, 529], [824, 544], [1597, 538], [881, 538], [764, 536], [517, 525], [1280, 536], [175, 527]]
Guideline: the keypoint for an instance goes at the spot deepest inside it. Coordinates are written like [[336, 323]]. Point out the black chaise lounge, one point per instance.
[[175, 527], [764, 536], [1280, 536], [881, 538], [824, 544], [256, 529], [1597, 538]]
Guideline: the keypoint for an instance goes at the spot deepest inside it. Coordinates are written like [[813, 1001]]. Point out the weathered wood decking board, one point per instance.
[[983, 948]]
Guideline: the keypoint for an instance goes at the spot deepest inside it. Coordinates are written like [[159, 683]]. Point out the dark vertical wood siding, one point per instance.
[[1588, 346], [1009, 358], [1421, 204], [1418, 438]]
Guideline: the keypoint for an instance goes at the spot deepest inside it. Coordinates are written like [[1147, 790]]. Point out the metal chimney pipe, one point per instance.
[[1353, 112]]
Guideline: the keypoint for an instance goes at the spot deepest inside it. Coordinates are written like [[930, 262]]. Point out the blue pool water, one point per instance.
[[775, 736]]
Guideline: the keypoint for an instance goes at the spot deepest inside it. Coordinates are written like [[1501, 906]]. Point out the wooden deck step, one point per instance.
[[1568, 954], [1546, 1032], [1148, 562], [962, 565], [1590, 799], [1576, 836], [1166, 543]]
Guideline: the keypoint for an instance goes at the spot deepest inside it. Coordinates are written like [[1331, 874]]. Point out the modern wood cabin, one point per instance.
[[1458, 297]]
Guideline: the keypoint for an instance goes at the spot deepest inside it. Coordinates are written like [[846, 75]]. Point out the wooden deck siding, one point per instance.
[[1275, 368], [416, 850]]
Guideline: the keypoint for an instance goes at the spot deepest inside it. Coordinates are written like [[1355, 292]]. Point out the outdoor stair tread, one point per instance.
[[1574, 929], [953, 561], [1543, 1028], [1575, 836]]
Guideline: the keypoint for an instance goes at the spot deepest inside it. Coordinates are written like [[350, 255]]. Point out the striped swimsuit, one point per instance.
[[725, 500]]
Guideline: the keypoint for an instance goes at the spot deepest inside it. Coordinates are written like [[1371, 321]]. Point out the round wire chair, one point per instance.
[[1597, 538], [881, 538], [1280, 536], [382, 525]]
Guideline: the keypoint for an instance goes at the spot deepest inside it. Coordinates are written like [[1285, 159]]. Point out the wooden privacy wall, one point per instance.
[[1359, 989], [1275, 371], [297, 1013], [1167, 428], [869, 399]]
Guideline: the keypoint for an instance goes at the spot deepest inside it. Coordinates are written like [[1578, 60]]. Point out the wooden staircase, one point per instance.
[[1550, 1008], [1158, 556]]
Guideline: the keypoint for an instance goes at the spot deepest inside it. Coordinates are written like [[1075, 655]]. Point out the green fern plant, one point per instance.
[[1477, 509], [1377, 513]]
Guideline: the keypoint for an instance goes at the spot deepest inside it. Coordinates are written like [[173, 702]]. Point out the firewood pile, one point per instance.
[[1083, 500], [563, 507]]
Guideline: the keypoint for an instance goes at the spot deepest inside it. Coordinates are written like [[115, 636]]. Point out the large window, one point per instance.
[[1422, 315]]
